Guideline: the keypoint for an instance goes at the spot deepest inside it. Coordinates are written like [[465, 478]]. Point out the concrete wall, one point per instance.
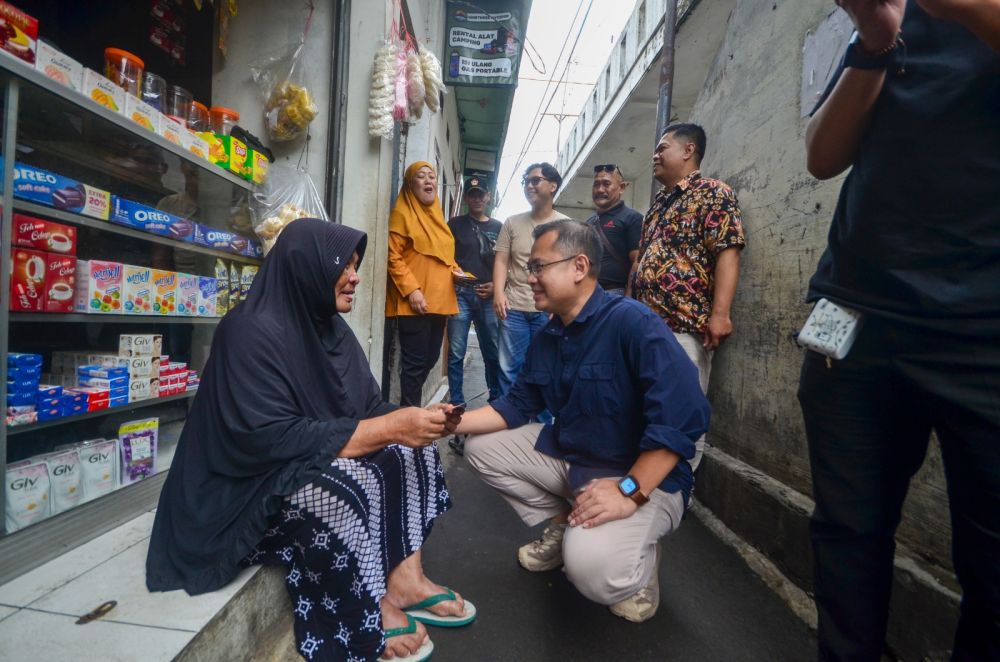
[[750, 109]]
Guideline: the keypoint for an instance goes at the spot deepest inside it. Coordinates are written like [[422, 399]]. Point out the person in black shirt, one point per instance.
[[915, 249], [620, 226], [475, 234]]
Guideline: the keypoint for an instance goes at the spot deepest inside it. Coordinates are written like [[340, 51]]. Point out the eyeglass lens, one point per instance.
[[534, 181]]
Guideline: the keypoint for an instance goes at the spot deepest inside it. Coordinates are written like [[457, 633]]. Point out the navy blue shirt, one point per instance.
[[623, 227], [618, 384]]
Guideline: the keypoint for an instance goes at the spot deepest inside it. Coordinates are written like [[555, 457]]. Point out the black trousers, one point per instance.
[[420, 341], [868, 420]]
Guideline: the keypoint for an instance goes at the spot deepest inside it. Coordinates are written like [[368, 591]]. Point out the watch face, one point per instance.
[[628, 485]]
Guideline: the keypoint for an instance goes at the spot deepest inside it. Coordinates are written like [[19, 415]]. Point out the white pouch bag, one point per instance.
[[831, 329]]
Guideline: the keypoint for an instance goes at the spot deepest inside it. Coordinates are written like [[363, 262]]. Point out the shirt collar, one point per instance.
[[682, 185], [612, 210], [594, 303]]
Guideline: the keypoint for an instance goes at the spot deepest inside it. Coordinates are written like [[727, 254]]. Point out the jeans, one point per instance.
[[420, 341], [516, 333], [868, 420], [472, 310]]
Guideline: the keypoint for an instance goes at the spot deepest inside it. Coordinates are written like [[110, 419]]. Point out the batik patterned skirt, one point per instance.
[[340, 536]]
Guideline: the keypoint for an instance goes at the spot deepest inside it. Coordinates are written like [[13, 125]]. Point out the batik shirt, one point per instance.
[[682, 235]]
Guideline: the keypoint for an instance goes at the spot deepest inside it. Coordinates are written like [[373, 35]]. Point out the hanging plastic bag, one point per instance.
[[288, 104], [433, 84], [400, 109], [415, 91], [288, 195]]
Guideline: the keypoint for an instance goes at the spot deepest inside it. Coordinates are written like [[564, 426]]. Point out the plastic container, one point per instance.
[[178, 104], [198, 119], [223, 120], [154, 89], [124, 70]]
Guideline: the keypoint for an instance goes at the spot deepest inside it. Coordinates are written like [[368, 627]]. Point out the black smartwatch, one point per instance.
[[629, 487], [856, 58]]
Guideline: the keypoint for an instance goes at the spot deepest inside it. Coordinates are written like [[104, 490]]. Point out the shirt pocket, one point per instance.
[[540, 380], [594, 394]]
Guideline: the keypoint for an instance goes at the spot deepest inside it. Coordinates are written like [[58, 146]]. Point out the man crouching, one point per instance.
[[612, 471]]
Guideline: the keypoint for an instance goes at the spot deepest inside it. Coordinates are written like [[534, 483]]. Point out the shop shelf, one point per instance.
[[134, 406], [113, 228], [49, 88], [83, 318]]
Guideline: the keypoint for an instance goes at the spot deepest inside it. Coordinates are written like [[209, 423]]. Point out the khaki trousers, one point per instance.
[[608, 563], [702, 359]]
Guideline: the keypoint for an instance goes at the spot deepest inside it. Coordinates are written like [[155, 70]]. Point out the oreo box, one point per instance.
[[222, 240], [149, 219], [45, 188]]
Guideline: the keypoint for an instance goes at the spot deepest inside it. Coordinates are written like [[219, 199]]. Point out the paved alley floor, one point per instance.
[[712, 606]]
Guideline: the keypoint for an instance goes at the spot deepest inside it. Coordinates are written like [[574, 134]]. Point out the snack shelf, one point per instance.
[[28, 73], [132, 406], [69, 318], [113, 228]]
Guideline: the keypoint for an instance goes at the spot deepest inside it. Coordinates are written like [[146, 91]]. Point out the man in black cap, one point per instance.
[[618, 226], [475, 235]]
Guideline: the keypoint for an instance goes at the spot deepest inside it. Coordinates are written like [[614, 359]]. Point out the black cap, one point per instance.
[[477, 182]]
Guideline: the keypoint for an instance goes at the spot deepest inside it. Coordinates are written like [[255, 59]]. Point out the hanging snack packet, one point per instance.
[[288, 195]]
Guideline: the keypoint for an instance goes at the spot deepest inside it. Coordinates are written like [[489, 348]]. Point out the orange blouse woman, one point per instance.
[[420, 293]]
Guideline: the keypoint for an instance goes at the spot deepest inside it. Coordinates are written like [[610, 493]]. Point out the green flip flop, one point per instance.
[[421, 612], [423, 653]]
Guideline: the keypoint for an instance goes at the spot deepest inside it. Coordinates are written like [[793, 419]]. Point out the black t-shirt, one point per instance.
[[467, 244], [916, 232], [623, 227]]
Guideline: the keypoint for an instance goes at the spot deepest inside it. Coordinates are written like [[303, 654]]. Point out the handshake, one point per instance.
[[417, 427]]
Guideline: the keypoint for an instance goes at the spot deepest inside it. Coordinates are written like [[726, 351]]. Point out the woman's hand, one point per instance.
[[453, 415], [415, 427], [417, 302]]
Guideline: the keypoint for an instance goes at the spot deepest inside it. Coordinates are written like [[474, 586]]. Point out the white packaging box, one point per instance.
[[59, 67], [140, 345], [139, 389], [98, 88], [142, 113]]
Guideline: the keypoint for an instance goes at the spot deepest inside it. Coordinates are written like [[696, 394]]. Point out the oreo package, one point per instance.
[[224, 240], [149, 219], [46, 188]]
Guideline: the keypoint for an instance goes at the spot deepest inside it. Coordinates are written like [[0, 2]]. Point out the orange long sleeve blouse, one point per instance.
[[410, 270]]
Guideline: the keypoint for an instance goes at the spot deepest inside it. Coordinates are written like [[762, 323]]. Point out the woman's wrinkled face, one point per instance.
[[346, 284], [424, 185]]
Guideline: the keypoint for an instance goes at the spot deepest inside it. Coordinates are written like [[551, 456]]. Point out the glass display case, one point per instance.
[[108, 287]]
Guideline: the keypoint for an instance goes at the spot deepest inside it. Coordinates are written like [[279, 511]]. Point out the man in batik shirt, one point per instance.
[[689, 254]]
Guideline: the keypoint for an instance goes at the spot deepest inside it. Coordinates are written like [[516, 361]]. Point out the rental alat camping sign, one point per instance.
[[483, 45]]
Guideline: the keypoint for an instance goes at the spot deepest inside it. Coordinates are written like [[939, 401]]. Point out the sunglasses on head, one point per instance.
[[608, 167]]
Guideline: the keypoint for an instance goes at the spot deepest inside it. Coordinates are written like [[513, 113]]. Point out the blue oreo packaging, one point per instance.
[[224, 240], [52, 190], [150, 219]]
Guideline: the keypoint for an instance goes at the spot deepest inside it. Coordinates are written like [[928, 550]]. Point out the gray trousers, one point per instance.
[[607, 563]]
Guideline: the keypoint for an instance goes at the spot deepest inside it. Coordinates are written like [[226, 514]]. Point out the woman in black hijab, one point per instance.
[[290, 457]]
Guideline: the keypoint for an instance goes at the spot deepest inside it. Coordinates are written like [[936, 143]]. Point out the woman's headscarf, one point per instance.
[[272, 411], [423, 224]]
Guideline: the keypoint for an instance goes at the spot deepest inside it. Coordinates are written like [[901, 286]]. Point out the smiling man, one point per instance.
[[689, 254], [612, 472]]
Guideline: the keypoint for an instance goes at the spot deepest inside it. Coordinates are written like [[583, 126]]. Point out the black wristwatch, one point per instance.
[[629, 487], [856, 58]]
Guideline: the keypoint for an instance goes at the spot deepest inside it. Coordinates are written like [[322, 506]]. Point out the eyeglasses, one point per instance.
[[608, 167], [534, 181], [535, 267]]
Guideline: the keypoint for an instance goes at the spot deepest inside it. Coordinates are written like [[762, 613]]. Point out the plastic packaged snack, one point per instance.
[[288, 195], [222, 288], [288, 103]]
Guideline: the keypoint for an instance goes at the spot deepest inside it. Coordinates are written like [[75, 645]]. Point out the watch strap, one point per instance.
[[639, 498]]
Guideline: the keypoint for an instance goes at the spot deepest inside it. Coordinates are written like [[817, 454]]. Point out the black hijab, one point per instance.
[[283, 390]]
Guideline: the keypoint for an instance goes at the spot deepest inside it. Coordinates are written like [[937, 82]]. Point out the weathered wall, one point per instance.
[[750, 109]]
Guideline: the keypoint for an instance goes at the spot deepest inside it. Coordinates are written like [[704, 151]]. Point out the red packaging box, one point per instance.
[[97, 405], [18, 32], [60, 283], [89, 396], [27, 280], [42, 235]]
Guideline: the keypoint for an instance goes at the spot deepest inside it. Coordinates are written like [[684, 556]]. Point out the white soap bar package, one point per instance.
[[27, 494], [65, 487]]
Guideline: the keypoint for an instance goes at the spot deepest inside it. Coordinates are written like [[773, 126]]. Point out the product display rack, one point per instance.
[[100, 147]]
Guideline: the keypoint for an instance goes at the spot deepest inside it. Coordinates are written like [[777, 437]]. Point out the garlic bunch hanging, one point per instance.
[[415, 90], [382, 95], [433, 84]]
